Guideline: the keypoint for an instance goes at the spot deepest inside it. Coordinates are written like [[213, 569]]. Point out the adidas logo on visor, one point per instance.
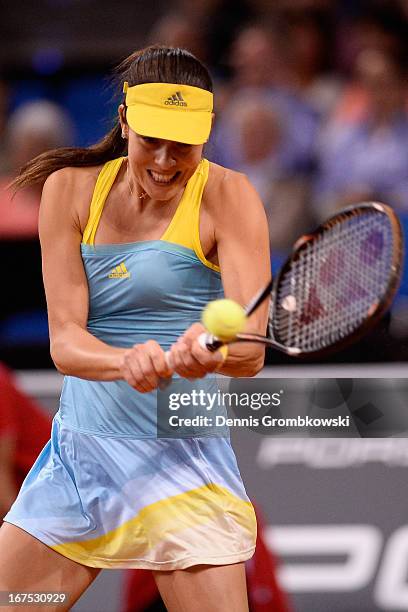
[[175, 100]]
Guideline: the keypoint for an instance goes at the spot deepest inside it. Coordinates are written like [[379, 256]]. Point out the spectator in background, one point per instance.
[[33, 128], [379, 25], [24, 431], [259, 131], [179, 30], [256, 58], [366, 156], [258, 64], [309, 49], [218, 22]]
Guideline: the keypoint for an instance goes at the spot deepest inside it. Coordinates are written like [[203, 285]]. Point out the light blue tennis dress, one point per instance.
[[106, 491]]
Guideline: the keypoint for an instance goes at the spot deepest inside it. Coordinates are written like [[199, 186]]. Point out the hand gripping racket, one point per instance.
[[335, 285]]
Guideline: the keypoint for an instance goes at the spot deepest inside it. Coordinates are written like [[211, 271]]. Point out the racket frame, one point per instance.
[[376, 310]]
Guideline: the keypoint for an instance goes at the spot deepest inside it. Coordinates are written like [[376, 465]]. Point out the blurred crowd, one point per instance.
[[311, 103]]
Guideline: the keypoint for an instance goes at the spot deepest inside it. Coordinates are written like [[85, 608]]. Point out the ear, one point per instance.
[[122, 119]]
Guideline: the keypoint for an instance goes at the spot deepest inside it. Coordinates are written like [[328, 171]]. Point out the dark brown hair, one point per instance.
[[154, 64]]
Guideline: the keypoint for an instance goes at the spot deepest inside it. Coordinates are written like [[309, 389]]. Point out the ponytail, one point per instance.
[[38, 169]]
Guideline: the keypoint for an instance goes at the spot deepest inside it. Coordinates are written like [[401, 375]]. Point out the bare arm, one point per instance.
[[238, 221], [73, 349], [242, 237]]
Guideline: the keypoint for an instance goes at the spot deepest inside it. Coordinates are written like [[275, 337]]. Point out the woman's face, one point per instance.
[[161, 167]]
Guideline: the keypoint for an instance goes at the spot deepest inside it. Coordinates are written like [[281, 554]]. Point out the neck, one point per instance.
[[142, 194]]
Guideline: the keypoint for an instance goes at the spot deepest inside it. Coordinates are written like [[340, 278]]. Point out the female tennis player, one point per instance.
[[138, 233]]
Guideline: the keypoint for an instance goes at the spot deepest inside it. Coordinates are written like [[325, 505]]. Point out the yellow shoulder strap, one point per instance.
[[103, 185], [184, 228]]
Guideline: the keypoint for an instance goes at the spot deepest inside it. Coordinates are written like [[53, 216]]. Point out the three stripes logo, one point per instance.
[[119, 271], [175, 100]]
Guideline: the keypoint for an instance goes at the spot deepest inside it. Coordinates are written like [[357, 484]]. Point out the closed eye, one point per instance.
[[149, 139], [183, 146]]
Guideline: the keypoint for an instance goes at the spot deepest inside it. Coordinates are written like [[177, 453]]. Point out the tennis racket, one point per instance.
[[335, 285]]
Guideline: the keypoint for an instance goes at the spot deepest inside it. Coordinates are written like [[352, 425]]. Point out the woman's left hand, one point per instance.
[[189, 359]]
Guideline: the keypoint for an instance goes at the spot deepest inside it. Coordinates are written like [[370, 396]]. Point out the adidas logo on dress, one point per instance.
[[176, 100], [119, 271]]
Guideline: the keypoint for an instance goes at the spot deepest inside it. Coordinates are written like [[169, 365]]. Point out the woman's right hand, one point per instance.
[[144, 365]]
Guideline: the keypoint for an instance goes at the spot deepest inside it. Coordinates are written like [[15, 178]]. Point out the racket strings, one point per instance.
[[354, 290], [328, 289]]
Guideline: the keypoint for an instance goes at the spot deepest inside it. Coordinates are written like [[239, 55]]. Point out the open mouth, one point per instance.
[[163, 179]]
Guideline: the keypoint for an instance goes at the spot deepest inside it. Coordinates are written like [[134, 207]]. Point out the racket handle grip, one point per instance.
[[209, 342], [206, 341]]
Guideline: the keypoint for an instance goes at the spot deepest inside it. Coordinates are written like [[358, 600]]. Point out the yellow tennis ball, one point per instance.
[[224, 319]]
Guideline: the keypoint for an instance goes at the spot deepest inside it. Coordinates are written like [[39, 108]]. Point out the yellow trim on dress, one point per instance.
[[176, 523], [183, 229], [102, 188]]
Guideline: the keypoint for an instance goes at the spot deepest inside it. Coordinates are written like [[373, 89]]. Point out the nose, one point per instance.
[[163, 157]]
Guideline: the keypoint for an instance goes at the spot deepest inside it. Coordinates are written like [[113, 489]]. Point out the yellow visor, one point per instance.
[[170, 111]]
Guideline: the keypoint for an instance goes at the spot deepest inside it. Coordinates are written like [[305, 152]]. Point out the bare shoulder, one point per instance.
[[220, 177], [229, 192], [69, 191], [70, 178]]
